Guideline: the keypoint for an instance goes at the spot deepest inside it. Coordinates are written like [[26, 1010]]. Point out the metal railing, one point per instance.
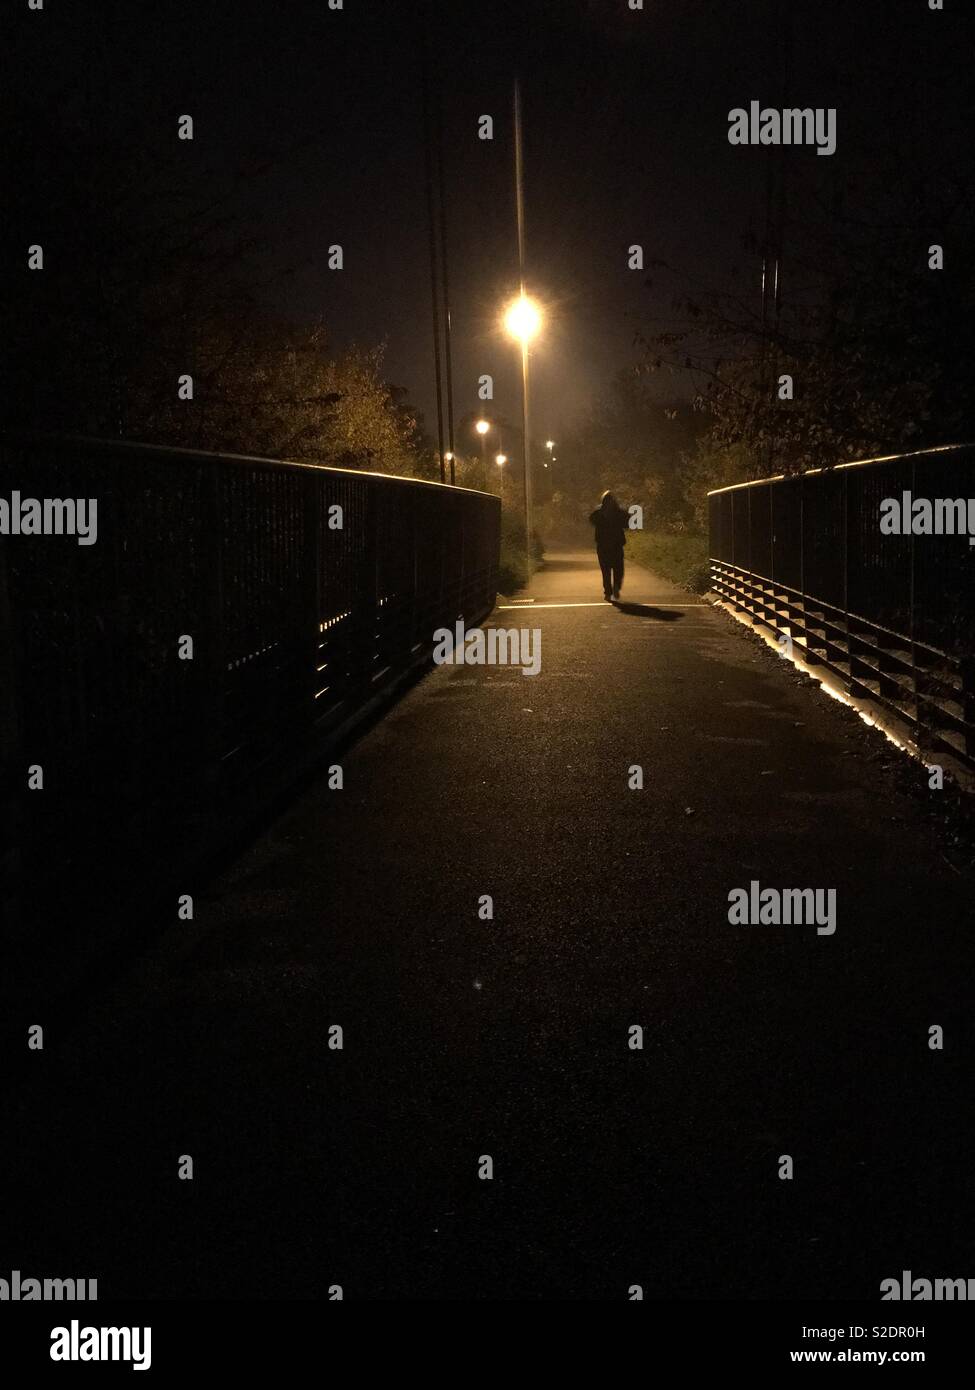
[[304, 591], [891, 616]]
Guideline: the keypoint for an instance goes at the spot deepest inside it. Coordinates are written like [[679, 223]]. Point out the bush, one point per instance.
[[515, 570], [680, 556]]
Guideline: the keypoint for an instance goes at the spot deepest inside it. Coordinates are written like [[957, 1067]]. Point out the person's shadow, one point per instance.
[[644, 610]]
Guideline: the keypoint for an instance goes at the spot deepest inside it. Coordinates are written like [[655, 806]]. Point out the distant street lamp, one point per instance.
[[501, 460], [482, 427]]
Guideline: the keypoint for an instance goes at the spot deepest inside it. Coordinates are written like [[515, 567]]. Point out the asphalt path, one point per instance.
[[467, 1037]]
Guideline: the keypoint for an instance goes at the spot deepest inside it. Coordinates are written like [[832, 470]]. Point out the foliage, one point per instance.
[[876, 341], [712, 466], [680, 556], [273, 390], [147, 279], [631, 442]]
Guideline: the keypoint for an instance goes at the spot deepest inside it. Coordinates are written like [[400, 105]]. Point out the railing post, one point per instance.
[[12, 771], [802, 543], [463, 598], [966, 668], [846, 580], [414, 557], [919, 693], [313, 513], [364, 596], [758, 612], [214, 640]]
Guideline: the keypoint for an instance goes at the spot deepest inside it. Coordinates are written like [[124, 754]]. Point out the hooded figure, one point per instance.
[[610, 522]]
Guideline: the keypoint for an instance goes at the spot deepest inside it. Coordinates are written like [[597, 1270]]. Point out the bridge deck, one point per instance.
[[465, 1037]]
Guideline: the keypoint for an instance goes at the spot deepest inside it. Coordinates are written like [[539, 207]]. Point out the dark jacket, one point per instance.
[[611, 524]]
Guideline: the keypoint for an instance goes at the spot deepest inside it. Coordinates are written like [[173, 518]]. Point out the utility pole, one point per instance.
[[446, 291], [775, 200], [425, 87]]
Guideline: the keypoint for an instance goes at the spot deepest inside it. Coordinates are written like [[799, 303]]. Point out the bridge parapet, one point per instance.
[[869, 568], [230, 618]]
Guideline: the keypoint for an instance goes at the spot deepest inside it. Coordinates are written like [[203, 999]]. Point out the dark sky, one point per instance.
[[626, 121]]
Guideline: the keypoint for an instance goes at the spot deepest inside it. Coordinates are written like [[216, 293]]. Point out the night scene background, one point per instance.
[[427, 968]]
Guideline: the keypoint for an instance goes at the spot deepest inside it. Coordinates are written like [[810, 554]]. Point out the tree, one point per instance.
[[632, 442], [863, 348]]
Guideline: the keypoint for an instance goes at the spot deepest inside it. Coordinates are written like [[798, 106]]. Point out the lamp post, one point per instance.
[[482, 428], [522, 320], [501, 460]]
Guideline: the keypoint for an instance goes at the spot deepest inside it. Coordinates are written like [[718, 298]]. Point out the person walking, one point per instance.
[[610, 523]]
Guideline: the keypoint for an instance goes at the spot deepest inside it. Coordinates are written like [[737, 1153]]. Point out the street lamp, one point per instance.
[[482, 427], [522, 320]]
